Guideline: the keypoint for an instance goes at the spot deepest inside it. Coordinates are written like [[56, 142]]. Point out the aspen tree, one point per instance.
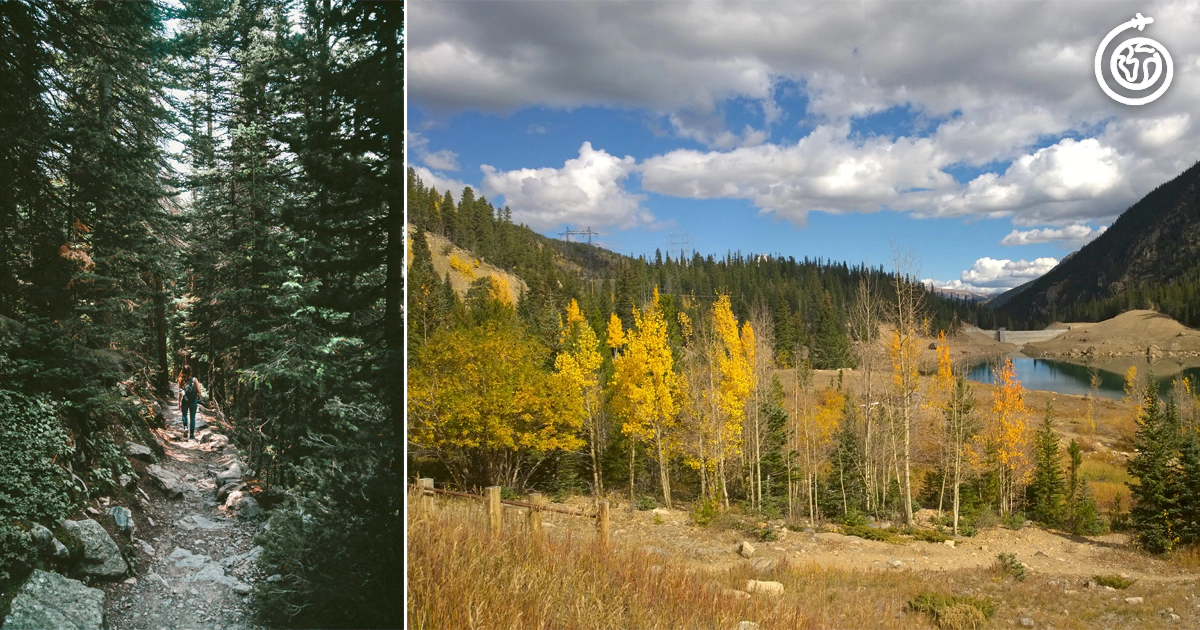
[[1008, 434], [647, 388], [579, 368]]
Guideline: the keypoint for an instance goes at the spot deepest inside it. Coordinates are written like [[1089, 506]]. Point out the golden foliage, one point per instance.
[[644, 380], [461, 267], [616, 334], [498, 289], [484, 389]]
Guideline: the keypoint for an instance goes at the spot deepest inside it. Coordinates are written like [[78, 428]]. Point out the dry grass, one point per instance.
[[459, 578]]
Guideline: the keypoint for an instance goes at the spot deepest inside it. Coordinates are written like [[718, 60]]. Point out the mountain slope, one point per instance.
[[1147, 259]]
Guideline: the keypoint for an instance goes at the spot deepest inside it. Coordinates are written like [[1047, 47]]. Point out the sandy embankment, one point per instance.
[[1144, 334]]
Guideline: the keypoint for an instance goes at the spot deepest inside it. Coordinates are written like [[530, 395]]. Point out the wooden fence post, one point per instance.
[[426, 489], [493, 502], [535, 516], [602, 522]]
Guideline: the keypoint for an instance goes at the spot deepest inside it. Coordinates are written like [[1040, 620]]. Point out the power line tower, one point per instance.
[[681, 242], [588, 232]]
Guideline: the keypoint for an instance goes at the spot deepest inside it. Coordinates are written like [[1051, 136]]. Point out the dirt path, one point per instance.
[[195, 558]]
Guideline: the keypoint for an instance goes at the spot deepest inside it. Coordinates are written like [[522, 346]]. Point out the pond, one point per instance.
[[1073, 378]]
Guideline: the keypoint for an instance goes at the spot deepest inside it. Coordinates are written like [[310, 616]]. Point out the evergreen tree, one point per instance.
[[1044, 496], [1153, 503]]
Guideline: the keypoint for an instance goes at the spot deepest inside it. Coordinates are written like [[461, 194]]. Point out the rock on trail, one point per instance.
[[195, 555]]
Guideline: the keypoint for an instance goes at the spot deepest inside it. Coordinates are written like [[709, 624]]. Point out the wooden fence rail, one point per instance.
[[535, 508]]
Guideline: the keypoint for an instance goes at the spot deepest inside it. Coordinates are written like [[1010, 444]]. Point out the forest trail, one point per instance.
[[195, 556]]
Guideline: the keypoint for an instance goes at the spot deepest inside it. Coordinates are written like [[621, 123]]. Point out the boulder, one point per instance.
[[123, 519], [147, 548], [195, 521], [1134, 601], [224, 491], [126, 480], [60, 553], [42, 537], [763, 565], [167, 480], [764, 587], [185, 559], [101, 557], [248, 508], [49, 600], [745, 549], [231, 474], [138, 451]]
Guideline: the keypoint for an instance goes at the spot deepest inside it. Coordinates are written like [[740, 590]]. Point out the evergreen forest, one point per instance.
[[217, 184]]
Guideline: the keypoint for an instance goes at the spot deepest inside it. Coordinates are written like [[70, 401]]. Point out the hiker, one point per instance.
[[189, 397]]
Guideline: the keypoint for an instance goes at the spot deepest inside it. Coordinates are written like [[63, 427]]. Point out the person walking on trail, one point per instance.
[[189, 398]]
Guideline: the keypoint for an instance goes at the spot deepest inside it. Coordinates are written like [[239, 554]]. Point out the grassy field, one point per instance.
[[459, 577]]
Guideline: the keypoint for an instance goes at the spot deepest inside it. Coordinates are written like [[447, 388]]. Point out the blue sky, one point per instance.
[[975, 136]]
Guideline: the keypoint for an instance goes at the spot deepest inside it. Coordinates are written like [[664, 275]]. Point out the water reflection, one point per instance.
[[1064, 377]]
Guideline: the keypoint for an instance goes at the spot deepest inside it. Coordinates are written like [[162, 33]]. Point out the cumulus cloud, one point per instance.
[[587, 190], [825, 170], [1010, 86], [439, 182], [1072, 236], [444, 160], [989, 275]]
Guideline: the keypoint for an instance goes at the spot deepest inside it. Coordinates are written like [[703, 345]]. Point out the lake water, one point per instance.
[[1073, 378]]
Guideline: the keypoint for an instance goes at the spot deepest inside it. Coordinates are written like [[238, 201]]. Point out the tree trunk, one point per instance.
[[663, 473]]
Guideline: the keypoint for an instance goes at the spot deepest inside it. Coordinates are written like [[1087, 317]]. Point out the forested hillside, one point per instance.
[[1149, 258], [665, 379], [217, 184]]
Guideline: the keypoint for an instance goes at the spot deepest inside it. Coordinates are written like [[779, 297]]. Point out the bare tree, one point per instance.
[[908, 319]]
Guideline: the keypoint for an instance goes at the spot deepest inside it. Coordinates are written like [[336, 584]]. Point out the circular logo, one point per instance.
[[1136, 64]]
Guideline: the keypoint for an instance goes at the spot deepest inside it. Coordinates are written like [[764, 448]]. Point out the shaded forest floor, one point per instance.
[[193, 556]]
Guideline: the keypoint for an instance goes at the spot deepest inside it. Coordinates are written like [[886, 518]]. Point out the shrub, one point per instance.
[[930, 535], [1114, 581], [1013, 520], [873, 533], [17, 558], [338, 544], [854, 518], [705, 511], [953, 612], [32, 486], [646, 504], [1007, 563]]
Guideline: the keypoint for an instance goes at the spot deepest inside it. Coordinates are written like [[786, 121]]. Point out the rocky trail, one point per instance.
[[180, 554]]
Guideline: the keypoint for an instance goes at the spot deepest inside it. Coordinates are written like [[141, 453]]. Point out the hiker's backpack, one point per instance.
[[189, 393]]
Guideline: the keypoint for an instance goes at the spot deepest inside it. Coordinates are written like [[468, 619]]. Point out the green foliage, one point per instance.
[[344, 529], [33, 486], [704, 511], [1013, 520], [874, 533], [930, 535], [17, 558], [1115, 581], [953, 612], [1008, 564], [646, 502], [1154, 501], [1044, 495]]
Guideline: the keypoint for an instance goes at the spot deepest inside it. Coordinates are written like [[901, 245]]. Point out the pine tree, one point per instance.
[[1151, 468], [1044, 496]]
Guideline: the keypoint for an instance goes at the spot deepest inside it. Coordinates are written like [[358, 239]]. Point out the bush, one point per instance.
[[930, 535], [705, 511], [1014, 520], [32, 486], [338, 546], [17, 558], [646, 504], [1007, 563], [1114, 581], [953, 612], [873, 533], [854, 518]]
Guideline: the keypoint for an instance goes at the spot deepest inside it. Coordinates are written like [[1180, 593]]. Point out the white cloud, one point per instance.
[[444, 160], [823, 171], [1000, 80], [439, 182], [587, 190], [989, 275], [1073, 236]]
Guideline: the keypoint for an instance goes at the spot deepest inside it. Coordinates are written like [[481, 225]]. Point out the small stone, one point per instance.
[[747, 625], [765, 587], [241, 588], [138, 451], [949, 543], [1026, 622], [1174, 617], [275, 578], [42, 537], [1134, 601], [123, 518], [131, 581], [895, 563], [746, 550]]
